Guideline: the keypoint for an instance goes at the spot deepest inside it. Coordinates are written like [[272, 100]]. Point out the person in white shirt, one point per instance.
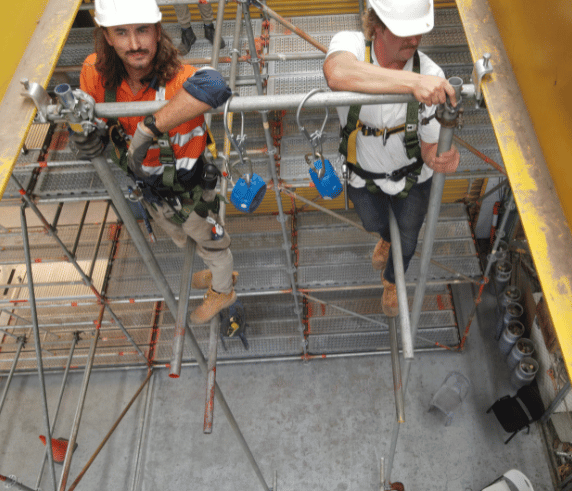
[[386, 172]]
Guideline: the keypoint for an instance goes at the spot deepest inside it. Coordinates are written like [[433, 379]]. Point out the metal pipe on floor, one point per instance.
[[183, 309], [296, 30], [396, 369], [21, 341], [449, 117], [60, 397], [272, 168], [107, 177], [402, 301], [79, 408], [36, 330], [110, 432], [267, 102]]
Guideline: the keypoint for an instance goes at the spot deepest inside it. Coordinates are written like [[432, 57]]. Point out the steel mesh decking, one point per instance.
[[333, 259]]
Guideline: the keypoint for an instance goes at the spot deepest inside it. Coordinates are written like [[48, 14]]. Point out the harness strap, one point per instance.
[[348, 144]]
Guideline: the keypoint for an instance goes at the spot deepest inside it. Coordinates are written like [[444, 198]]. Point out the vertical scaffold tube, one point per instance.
[[21, 342], [211, 375], [272, 167], [215, 322], [397, 254], [183, 309], [445, 140], [396, 368], [32, 300], [34, 315], [60, 397], [79, 409]]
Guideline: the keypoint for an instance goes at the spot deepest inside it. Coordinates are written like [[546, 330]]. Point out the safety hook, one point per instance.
[[315, 138], [239, 144]]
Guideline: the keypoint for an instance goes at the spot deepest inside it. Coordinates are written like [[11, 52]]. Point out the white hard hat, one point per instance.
[[405, 17], [121, 12]]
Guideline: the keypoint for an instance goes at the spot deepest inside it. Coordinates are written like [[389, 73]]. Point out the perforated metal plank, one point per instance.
[[295, 44], [345, 324], [377, 341], [81, 182], [361, 273], [318, 24]]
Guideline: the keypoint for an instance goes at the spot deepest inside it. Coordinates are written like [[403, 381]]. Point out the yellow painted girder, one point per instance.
[[37, 64], [541, 213]]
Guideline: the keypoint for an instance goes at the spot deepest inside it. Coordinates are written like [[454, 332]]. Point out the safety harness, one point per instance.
[[182, 201], [411, 141]]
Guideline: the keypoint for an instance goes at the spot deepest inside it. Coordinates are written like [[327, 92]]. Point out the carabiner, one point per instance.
[[315, 138], [239, 144]]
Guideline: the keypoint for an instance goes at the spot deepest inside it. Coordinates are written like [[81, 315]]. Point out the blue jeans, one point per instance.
[[373, 210]]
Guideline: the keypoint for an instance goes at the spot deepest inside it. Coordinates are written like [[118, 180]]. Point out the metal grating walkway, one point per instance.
[[332, 259]]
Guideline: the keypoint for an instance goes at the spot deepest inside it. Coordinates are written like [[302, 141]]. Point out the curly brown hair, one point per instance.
[[370, 21], [166, 63]]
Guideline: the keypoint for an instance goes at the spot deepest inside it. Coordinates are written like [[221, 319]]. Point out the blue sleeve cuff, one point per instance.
[[208, 86]]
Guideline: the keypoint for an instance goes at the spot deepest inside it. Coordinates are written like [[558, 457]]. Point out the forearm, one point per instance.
[[344, 72]]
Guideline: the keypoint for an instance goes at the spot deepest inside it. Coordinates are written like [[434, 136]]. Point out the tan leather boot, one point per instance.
[[203, 279], [380, 255], [212, 304], [389, 299]]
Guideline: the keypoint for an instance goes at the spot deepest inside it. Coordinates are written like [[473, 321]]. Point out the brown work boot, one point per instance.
[[380, 255], [203, 279], [212, 304], [389, 299]]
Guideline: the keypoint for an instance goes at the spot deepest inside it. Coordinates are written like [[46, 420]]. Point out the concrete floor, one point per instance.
[[321, 425]]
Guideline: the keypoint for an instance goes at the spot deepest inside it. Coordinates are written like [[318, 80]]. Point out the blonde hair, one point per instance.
[[370, 21]]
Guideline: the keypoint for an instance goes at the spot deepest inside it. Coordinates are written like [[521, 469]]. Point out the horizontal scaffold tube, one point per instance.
[[268, 102]]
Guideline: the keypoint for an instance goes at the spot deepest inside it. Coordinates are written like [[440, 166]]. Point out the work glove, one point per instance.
[[137, 152], [208, 86], [87, 147]]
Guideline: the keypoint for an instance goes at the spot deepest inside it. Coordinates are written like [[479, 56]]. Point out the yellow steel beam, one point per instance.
[[540, 210], [37, 64]]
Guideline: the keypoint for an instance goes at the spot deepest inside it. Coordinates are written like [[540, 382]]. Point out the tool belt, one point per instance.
[[411, 141], [181, 193]]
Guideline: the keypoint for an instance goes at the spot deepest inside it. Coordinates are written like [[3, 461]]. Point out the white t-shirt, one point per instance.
[[372, 155]]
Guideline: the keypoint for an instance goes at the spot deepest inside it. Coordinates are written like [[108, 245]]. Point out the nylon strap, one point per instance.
[[191, 201], [348, 144]]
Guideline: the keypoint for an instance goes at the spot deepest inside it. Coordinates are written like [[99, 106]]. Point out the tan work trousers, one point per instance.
[[215, 253], [184, 14]]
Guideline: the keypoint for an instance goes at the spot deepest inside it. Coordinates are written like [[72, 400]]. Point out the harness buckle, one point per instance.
[[384, 136], [411, 127]]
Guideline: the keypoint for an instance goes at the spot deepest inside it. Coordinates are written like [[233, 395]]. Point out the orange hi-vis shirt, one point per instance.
[[188, 140]]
